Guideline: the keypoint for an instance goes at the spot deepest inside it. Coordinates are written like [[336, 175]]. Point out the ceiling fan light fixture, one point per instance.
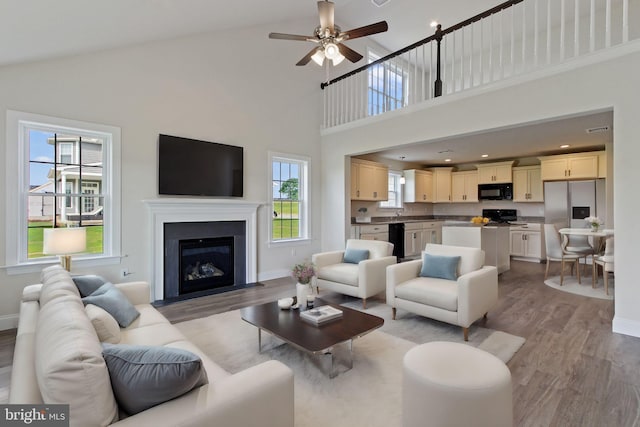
[[331, 50], [338, 59], [318, 57]]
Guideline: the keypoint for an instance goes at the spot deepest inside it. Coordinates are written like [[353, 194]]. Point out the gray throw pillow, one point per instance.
[[114, 302], [88, 284], [354, 256], [440, 266], [146, 376]]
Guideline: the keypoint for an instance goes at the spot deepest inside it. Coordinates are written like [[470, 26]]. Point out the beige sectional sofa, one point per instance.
[[58, 359]]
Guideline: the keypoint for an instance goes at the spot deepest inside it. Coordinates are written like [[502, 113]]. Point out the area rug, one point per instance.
[[571, 285], [368, 394]]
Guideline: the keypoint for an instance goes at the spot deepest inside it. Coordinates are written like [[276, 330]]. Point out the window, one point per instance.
[[289, 198], [395, 191], [67, 175], [387, 86]]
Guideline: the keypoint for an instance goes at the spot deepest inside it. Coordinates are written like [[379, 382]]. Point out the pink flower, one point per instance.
[[303, 272]]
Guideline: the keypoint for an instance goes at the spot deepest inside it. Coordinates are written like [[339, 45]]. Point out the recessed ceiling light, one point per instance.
[[565, 146], [434, 23], [447, 160], [484, 156]]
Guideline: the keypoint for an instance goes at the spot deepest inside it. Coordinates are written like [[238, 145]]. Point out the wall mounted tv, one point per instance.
[[190, 167]]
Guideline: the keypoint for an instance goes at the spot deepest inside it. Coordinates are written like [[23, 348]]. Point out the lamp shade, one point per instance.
[[62, 241], [318, 57], [331, 51]]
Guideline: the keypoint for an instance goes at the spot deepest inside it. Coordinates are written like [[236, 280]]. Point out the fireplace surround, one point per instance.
[[165, 211]]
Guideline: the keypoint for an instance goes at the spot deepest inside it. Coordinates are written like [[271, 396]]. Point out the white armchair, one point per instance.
[[362, 280], [459, 302]]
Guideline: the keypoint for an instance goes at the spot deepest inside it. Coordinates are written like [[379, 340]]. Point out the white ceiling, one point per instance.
[[32, 30]]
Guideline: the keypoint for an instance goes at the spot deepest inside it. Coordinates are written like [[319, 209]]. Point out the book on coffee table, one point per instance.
[[321, 314]]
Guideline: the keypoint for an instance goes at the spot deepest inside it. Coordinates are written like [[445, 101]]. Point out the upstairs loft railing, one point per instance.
[[511, 39]]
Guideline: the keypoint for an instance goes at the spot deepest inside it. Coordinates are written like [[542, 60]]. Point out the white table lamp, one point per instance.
[[63, 242]]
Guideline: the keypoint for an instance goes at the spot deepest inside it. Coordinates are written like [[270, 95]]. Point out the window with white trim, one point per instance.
[[386, 86], [289, 197], [395, 191], [67, 175]]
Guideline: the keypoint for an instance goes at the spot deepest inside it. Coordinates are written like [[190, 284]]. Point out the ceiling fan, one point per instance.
[[329, 38]]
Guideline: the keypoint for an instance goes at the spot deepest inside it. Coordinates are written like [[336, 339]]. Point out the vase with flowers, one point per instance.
[[303, 273], [594, 222]]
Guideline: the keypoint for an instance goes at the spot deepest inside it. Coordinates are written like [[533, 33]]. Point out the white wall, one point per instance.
[[236, 87], [603, 81]]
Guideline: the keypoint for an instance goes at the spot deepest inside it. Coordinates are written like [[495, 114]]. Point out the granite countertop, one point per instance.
[[447, 220]]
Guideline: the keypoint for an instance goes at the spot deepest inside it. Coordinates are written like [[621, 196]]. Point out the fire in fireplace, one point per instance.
[[206, 264]]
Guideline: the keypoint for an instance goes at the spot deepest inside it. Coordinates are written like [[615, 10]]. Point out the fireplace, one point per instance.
[[205, 264], [163, 212], [203, 257]]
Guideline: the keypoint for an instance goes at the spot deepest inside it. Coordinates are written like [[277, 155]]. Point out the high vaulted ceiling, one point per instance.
[[32, 30]]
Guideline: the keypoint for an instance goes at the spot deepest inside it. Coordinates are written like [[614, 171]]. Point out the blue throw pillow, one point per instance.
[[146, 376], [440, 266], [354, 256], [114, 302], [88, 284]]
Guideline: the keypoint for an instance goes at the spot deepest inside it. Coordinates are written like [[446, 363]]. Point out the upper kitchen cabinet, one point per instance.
[[442, 185], [569, 166], [418, 186], [464, 186], [369, 181], [527, 184], [494, 173]]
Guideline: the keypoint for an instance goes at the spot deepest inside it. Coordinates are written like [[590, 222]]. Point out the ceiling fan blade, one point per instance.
[[325, 11], [378, 27], [305, 60], [282, 36], [349, 53]]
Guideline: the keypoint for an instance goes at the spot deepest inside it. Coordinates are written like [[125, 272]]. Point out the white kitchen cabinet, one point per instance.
[[418, 187], [442, 185], [569, 166], [527, 184], [494, 173], [464, 186], [373, 232], [418, 234], [526, 242], [369, 180]]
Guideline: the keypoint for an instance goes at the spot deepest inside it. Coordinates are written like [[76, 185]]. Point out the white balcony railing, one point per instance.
[[514, 38]]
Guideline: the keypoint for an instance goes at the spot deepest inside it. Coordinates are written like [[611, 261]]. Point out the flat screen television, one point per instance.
[[189, 167]]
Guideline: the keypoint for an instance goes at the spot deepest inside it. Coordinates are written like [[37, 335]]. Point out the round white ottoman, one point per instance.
[[451, 384]]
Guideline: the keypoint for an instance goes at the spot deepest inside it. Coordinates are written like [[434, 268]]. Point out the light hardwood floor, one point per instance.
[[572, 370]]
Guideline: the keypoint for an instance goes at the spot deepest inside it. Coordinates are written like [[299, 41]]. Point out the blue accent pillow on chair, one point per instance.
[[354, 256], [439, 266]]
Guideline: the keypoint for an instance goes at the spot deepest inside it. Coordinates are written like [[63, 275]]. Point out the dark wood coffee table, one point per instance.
[[325, 342]]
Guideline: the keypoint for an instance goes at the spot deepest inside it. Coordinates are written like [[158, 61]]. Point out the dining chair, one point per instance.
[[606, 262], [580, 245], [555, 253]]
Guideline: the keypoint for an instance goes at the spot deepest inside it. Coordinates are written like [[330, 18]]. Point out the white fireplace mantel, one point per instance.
[[172, 210]]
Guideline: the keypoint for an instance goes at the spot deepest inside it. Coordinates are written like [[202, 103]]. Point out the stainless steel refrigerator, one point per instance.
[[568, 203]]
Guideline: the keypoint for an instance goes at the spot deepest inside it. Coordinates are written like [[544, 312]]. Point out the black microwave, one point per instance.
[[495, 191]]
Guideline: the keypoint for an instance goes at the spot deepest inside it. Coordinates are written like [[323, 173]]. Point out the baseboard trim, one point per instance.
[[8, 321], [626, 326], [275, 274]]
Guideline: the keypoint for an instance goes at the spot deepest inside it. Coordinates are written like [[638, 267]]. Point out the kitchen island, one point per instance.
[[492, 239]]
